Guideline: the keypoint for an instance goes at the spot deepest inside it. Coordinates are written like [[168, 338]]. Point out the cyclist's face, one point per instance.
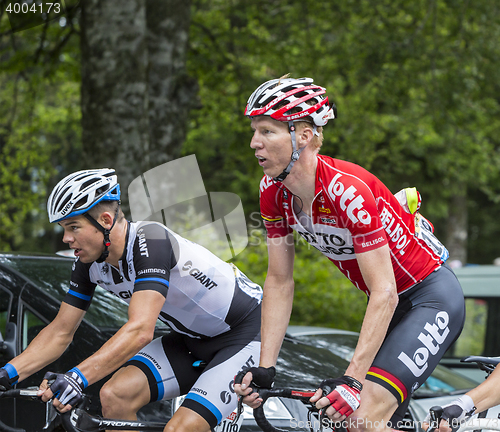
[[272, 144], [83, 238]]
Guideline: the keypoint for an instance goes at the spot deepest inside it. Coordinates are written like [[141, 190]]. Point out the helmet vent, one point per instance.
[[63, 203]]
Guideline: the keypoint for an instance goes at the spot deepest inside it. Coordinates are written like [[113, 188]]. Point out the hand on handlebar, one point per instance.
[[66, 389], [452, 415], [339, 397], [255, 377]]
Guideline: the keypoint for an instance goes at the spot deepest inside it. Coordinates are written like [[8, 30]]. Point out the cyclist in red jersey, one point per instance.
[[378, 240]]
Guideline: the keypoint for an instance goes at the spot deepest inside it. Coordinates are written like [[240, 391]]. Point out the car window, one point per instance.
[[31, 325], [480, 333], [5, 301]]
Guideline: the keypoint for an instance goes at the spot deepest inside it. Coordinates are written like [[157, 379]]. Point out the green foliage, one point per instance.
[[323, 295], [416, 86], [39, 128]]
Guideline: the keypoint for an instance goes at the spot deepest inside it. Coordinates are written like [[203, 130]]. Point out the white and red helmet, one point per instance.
[[287, 100]]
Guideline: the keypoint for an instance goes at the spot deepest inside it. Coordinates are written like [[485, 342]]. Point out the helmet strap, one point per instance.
[[295, 154], [106, 232]]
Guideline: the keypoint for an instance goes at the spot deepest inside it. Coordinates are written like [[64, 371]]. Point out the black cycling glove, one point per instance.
[[261, 377], [8, 377], [456, 412], [68, 387]]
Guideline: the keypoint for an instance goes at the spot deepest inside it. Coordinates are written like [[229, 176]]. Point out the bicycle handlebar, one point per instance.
[[79, 420], [264, 394], [436, 413]]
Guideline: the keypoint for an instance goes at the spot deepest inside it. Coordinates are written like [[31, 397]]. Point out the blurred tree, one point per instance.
[[136, 94]]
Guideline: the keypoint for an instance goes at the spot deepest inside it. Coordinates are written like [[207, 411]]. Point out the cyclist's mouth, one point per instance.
[[77, 252]]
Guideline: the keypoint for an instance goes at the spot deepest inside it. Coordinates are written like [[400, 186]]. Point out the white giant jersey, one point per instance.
[[204, 296]]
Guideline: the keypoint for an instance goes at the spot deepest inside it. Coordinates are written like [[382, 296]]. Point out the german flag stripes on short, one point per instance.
[[388, 381]]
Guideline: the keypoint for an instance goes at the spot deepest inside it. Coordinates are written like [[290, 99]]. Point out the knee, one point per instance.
[[111, 399]]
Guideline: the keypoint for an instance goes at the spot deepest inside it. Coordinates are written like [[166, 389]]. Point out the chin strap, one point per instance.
[[105, 231], [295, 153]]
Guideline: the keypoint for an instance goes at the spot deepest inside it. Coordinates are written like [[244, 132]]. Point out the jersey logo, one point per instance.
[[143, 246], [394, 230], [265, 183], [199, 275], [349, 201], [330, 244]]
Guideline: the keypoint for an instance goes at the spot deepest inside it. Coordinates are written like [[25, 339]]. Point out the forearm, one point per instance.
[[124, 344], [47, 347], [379, 313], [276, 310], [487, 395]]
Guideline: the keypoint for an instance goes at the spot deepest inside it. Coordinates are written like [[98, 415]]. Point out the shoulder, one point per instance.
[[80, 267], [267, 186], [337, 176]]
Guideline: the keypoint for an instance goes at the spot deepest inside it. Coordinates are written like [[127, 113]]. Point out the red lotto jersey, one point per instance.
[[353, 212]]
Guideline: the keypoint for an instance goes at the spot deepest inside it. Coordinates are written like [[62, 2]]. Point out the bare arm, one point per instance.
[[378, 274], [486, 395], [278, 298], [276, 308], [50, 343], [143, 312]]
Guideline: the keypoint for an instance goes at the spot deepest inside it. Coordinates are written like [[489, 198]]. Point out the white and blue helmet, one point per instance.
[[77, 193]]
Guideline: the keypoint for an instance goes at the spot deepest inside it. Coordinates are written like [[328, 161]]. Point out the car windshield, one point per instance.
[[52, 274], [442, 381]]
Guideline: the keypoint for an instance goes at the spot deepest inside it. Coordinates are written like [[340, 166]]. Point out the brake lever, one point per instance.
[[322, 413], [50, 414]]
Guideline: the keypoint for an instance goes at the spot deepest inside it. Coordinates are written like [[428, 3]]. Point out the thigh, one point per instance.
[[212, 395], [432, 318], [167, 364]]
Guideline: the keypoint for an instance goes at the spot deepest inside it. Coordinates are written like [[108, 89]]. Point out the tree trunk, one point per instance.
[[171, 92], [456, 236], [135, 90], [114, 86]]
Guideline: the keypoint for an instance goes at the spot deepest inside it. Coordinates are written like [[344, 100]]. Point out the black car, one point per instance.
[[31, 289]]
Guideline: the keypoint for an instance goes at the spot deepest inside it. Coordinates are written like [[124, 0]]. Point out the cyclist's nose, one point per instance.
[[68, 237], [255, 142]]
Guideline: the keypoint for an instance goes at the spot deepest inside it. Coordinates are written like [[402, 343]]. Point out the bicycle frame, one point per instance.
[[78, 420]]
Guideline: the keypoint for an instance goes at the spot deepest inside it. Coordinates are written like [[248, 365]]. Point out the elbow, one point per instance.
[[387, 298], [393, 299], [144, 337], [140, 335]]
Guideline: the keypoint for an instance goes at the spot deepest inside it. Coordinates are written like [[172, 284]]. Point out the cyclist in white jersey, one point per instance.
[[212, 308], [480, 398]]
